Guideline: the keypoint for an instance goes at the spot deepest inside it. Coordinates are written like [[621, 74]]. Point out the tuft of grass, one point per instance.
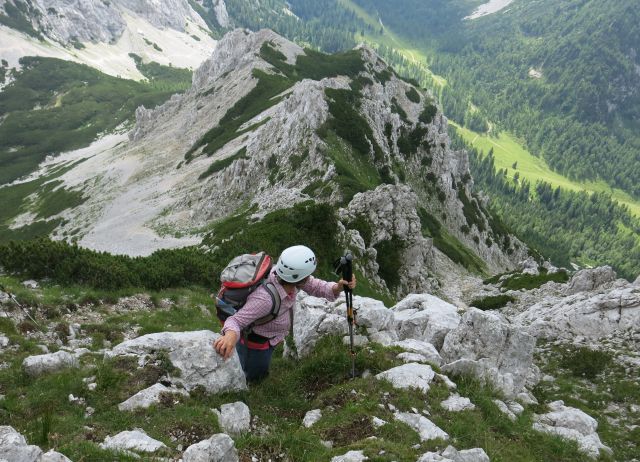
[[493, 302], [585, 362], [520, 281], [221, 164]]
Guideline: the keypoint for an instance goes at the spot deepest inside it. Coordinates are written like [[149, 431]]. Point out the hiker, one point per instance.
[[291, 273]]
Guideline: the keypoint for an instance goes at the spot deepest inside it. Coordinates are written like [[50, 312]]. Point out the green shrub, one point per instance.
[[390, 260], [533, 281], [493, 302], [413, 95], [585, 362], [221, 164], [428, 113]]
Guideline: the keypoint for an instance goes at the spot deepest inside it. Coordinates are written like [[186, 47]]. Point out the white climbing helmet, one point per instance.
[[296, 263]]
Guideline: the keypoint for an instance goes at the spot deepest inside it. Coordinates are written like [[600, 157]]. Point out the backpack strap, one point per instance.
[[275, 308]]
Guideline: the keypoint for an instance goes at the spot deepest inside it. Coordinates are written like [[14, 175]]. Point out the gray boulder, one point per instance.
[[457, 403], [490, 349], [149, 396], [411, 375], [351, 456], [14, 447], [136, 440], [311, 417], [426, 429], [590, 279], [218, 448], [53, 456], [573, 424], [529, 266], [234, 418], [193, 354], [425, 317], [425, 349], [451, 454], [52, 362]]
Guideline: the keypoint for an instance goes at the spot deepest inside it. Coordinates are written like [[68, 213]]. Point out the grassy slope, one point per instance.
[[39, 407], [508, 150]]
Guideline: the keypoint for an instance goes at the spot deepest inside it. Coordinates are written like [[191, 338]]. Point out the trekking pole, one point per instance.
[[344, 266], [13, 299]]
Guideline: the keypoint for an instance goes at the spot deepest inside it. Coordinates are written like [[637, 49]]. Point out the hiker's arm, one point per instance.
[[258, 305], [325, 289]]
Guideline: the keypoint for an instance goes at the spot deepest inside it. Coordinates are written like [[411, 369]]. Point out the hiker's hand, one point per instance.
[[339, 287], [225, 344]]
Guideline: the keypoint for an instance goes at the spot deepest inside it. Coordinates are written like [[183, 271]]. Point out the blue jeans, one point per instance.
[[255, 363]]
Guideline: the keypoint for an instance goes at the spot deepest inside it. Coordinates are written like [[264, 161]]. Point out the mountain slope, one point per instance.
[[103, 34], [267, 125]]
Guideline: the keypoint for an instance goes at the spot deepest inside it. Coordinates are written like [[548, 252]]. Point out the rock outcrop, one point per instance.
[[425, 317], [489, 348], [234, 418], [571, 423], [135, 440]]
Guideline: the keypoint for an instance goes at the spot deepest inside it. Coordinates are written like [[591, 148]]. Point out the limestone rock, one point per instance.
[[136, 440], [372, 313], [425, 317], [351, 456], [571, 423], [30, 284], [425, 349], [410, 375], [218, 448], [4, 341], [311, 417], [384, 338], [426, 429], [587, 314], [529, 266], [457, 403], [53, 456], [467, 455], [149, 396], [391, 209], [193, 354], [14, 447], [590, 279], [502, 406], [311, 322], [52, 362], [234, 418], [490, 349]]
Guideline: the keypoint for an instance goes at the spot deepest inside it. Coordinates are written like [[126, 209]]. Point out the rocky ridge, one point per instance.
[[148, 195]]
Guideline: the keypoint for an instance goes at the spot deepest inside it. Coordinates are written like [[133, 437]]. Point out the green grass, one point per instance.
[[507, 151], [492, 302], [520, 281], [39, 408], [221, 164], [449, 244], [356, 172]]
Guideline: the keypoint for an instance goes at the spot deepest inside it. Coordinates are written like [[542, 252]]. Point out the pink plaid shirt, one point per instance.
[[259, 304]]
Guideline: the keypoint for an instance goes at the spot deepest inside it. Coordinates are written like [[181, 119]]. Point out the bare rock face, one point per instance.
[[590, 279], [391, 210], [425, 317], [193, 354], [411, 375], [90, 21], [135, 440], [592, 315], [489, 348]]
